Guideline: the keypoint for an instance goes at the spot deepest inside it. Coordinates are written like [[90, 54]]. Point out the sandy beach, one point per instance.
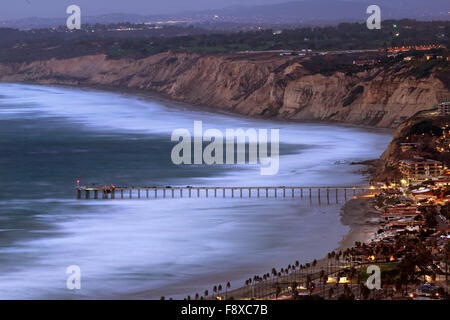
[[362, 218]]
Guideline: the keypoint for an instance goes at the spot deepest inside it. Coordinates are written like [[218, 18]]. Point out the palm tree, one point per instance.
[[277, 292], [311, 288], [324, 282], [447, 259], [214, 289], [274, 274], [307, 268], [197, 296], [337, 257], [294, 290], [308, 280], [321, 276], [328, 262], [255, 286], [332, 255], [226, 289], [359, 283], [206, 293], [219, 288], [364, 291], [330, 293], [246, 283], [302, 267]]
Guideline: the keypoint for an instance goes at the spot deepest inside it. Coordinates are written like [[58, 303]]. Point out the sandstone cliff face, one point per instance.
[[268, 86]]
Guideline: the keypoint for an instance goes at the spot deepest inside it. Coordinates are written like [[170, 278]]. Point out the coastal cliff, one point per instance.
[[256, 85]]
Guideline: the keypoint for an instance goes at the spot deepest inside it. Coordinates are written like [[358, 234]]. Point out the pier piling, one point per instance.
[[110, 192]]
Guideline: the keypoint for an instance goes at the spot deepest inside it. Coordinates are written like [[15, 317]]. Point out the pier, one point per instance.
[[122, 193]]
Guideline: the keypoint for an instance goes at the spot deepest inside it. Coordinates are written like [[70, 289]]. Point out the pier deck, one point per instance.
[[107, 192]]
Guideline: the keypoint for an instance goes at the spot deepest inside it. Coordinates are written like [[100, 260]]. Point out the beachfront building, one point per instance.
[[423, 194], [443, 142], [416, 171], [444, 108], [408, 146], [399, 211], [443, 182]]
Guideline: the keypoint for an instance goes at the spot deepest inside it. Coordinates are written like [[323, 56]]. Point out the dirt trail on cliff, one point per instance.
[[268, 86]]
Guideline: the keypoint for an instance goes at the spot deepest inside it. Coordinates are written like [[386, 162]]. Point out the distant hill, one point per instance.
[[337, 10], [294, 12]]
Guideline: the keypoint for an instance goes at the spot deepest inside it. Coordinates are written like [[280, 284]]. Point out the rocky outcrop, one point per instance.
[[258, 85]]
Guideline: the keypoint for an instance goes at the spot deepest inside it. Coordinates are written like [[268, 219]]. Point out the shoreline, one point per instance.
[[170, 102], [355, 213], [362, 218]]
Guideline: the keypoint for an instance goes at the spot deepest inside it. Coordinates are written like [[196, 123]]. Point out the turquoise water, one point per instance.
[[51, 136]]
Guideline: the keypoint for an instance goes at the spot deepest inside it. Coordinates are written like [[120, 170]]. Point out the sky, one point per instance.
[[13, 9]]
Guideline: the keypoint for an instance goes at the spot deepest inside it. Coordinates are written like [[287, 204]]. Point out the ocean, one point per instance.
[[51, 136]]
